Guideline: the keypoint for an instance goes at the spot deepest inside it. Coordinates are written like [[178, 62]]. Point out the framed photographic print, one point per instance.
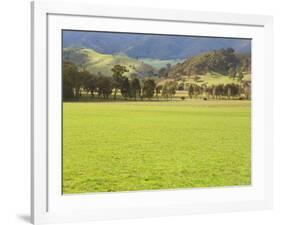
[[148, 112]]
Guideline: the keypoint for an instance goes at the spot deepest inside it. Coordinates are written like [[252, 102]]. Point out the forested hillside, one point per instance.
[[224, 61]]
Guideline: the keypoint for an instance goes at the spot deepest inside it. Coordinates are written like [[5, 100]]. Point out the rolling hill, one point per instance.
[[225, 61], [96, 62]]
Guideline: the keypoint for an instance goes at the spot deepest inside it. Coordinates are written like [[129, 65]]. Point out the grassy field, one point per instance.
[[155, 145]]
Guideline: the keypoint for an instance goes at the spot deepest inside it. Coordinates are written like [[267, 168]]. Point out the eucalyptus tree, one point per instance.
[[125, 87], [118, 71], [135, 88], [149, 86]]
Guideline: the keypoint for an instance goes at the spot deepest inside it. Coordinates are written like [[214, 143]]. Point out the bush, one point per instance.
[[182, 97]]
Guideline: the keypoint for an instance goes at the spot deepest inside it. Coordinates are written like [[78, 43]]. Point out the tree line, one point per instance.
[[220, 91], [76, 81], [98, 85]]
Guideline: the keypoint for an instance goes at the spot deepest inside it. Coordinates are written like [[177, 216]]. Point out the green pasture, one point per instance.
[[127, 146]]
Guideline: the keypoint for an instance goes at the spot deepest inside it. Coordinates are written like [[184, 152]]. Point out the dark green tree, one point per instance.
[[169, 89], [90, 84], [219, 90], [68, 89], [104, 86], [148, 90], [135, 88], [72, 80], [158, 90], [197, 90], [118, 71], [190, 91], [125, 87]]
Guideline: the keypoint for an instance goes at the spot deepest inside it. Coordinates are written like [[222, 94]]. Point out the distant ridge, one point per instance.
[[151, 46]]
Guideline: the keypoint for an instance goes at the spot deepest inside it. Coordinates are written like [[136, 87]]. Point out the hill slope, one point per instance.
[[224, 61], [96, 62]]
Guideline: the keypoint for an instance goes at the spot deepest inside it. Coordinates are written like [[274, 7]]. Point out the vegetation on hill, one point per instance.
[[217, 74], [224, 61]]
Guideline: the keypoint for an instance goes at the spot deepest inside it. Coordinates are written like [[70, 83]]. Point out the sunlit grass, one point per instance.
[[125, 146]]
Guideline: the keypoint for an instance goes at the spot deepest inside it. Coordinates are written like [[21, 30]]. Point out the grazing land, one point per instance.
[[149, 145]]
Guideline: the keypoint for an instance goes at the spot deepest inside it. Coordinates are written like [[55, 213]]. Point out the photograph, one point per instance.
[[144, 111]]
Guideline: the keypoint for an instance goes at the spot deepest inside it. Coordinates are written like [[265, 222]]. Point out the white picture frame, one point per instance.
[[48, 205]]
